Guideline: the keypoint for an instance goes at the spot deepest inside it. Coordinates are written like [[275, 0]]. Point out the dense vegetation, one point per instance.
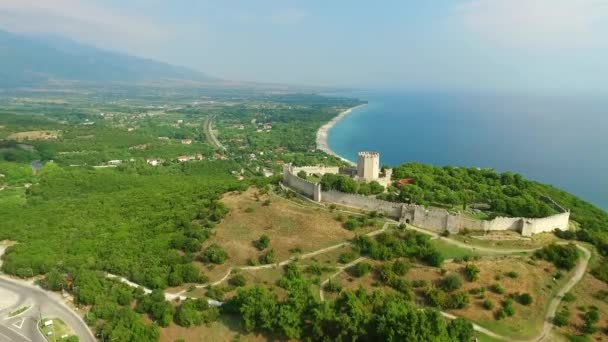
[[505, 194], [352, 316], [132, 221]]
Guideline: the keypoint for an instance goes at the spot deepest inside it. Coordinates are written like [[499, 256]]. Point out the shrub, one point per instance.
[[512, 274], [488, 304], [249, 210], [262, 243], [351, 224], [562, 256], [472, 272], [214, 254], [400, 267], [238, 280], [360, 269], [419, 283], [569, 297], [267, 258], [524, 299], [562, 317], [332, 286], [266, 203], [457, 300], [451, 282], [496, 288], [347, 257], [508, 308], [215, 292]]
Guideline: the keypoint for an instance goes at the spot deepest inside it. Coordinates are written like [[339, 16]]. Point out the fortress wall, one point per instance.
[[545, 224], [352, 200], [504, 223], [430, 218], [301, 185], [319, 169]]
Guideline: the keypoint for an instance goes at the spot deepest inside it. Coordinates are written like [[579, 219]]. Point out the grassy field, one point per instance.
[[507, 240], [293, 229], [450, 251], [589, 292], [58, 331], [537, 280]]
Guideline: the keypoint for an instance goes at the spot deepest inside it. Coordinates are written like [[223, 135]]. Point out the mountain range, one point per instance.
[[34, 60]]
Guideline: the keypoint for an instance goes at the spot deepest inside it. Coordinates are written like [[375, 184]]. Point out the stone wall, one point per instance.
[[435, 219], [389, 209], [319, 169]]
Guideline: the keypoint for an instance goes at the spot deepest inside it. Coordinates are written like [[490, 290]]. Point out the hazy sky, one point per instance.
[[462, 44]]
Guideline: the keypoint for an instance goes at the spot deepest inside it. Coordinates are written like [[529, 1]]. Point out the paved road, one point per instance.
[[42, 304]]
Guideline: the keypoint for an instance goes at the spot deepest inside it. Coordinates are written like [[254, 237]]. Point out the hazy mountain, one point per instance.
[[31, 60]]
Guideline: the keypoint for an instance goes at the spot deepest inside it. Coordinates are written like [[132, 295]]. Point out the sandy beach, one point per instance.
[[323, 133]]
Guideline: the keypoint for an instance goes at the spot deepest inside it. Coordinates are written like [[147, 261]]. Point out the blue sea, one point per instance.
[[560, 140]]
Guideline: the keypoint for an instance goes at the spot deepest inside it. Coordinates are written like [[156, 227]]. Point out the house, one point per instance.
[[130, 129], [163, 138], [219, 156], [114, 162], [186, 141], [200, 156], [182, 159], [48, 323], [280, 149], [153, 161], [180, 121]]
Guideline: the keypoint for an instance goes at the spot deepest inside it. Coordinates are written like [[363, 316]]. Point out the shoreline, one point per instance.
[[323, 134]]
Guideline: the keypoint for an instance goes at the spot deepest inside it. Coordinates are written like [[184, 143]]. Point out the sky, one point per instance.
[[544, 45]]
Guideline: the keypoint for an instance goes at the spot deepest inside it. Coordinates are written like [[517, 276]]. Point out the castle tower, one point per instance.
[[368, 166]]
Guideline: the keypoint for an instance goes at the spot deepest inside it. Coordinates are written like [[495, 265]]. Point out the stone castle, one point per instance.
[[435, 219]]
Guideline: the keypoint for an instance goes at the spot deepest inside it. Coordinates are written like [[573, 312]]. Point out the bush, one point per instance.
[[488, 304], [508, 308], [214, 254], [419, 283], [496, 288], [457, 301], [267, 258], [347, 257], [238, 280], [351, 224], [451, 282], [562, 256], [569, 297], [262, 243], [360, 269], [562, 317], [512, 274], [400, 267], [524, 299], [215, 292], [472, 272], [332, 286], [266, 203]]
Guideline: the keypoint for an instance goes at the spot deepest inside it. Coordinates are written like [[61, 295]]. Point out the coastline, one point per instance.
[[323, 134]]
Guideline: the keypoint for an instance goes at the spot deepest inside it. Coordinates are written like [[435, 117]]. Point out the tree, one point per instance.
[[238, 280], [562, 317], [302, 174], [214, 254], [267, 258], [360, 269], [257, 307], [451, 282], [524, 299], [472, 272], [262, 243]]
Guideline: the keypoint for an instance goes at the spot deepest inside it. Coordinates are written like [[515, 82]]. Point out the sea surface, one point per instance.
[[560, 140]]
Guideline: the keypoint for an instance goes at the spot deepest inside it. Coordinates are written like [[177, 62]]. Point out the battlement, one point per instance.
[[369, 154]]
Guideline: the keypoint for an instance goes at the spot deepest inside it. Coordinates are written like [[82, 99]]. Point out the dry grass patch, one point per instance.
[[537, 280], [588, 293], [505, 239], [34, 135], [227, 328], [292, 229]]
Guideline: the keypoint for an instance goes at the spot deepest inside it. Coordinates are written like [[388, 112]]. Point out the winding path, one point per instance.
[[578, 274], [210, 135]]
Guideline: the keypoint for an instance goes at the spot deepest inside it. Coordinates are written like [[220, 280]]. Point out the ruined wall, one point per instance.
[[301, 185], [359, 201], [318, 169], [436, 219], [545, 224]]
